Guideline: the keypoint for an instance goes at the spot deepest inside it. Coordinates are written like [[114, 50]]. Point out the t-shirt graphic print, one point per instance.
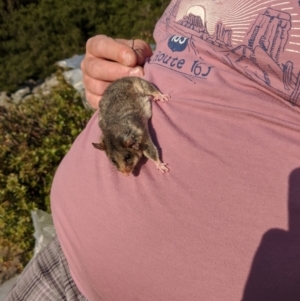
[[259, 39]]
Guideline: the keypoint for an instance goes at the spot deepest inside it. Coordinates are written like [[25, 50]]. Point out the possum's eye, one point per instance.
[[113, 161], [128, 157]]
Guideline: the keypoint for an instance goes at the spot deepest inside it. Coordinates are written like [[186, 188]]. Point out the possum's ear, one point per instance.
[[100, 145], [131, 143]]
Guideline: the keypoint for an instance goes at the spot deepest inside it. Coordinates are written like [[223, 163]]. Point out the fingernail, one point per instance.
[[136, 72]]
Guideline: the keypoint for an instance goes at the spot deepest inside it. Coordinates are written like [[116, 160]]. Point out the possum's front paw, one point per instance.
[[162, 167], [162, 97]]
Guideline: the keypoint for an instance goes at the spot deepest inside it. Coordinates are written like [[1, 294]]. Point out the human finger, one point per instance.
[[125, 52], [94, 86], [104, 70], [92, 99]]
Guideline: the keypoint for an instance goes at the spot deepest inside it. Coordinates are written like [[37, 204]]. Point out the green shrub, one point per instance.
[[34, 137], [34, 34]]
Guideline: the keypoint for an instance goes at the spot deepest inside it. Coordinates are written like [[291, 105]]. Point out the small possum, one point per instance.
[[124, 113]]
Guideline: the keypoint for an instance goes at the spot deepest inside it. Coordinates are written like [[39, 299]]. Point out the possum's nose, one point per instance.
[[126, 170]]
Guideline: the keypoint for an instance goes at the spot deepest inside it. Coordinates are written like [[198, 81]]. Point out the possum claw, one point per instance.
[[162, 97]]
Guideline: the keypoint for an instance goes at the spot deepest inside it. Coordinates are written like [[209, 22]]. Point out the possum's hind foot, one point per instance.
[[162, 166], [161, 97]]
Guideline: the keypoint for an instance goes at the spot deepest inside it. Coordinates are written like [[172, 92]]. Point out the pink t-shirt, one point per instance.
[[224, 223]]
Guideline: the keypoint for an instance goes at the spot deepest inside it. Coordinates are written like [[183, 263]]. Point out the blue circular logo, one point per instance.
[[177, 43]]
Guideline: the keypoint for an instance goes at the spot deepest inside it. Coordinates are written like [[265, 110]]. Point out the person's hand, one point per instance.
[[108, 59]]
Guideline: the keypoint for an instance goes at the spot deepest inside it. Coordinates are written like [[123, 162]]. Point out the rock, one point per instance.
[[20, 94], [73, 77], [5, 100], [45, 88], [73, 62]]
